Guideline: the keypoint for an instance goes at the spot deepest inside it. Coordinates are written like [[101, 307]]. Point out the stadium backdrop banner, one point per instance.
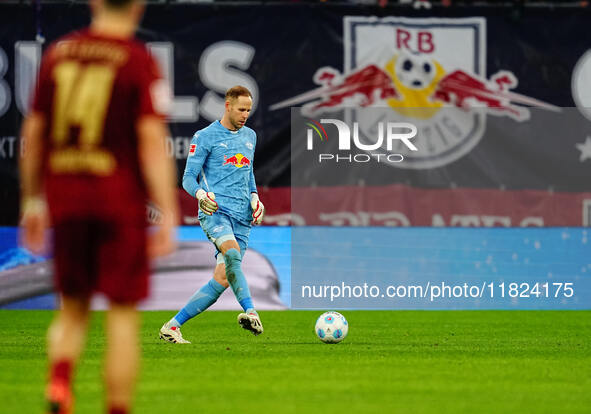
[[518, 167]]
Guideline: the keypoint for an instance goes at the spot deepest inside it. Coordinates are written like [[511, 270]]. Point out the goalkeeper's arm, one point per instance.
[[197, 155], [258, 209], [207, 202], [195, 162], [190, 183]]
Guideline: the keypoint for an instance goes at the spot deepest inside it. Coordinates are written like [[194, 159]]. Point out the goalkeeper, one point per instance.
[[219, 173]]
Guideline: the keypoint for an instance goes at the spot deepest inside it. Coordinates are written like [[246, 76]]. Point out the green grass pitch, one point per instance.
[[391, 362]]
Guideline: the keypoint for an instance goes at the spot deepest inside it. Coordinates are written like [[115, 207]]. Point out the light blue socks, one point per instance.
[[201, 300], [233, 261], [211, 291]]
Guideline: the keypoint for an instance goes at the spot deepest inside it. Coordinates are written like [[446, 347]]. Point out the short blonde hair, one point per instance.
[[235, 91]]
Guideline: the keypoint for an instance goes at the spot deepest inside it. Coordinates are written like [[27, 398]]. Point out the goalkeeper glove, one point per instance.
[[258, 209], [207, 202]]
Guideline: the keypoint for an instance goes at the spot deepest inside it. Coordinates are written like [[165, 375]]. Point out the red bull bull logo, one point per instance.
[[427, 70], [237, 160]]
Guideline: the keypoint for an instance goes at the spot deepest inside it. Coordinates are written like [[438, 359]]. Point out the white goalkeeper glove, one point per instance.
[[207, 202], [258, 209]]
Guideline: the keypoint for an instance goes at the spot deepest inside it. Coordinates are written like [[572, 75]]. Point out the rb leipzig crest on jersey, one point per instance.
[[237, 160], [427, 71]]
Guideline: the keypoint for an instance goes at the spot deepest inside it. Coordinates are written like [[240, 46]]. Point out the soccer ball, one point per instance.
[[331, 327]]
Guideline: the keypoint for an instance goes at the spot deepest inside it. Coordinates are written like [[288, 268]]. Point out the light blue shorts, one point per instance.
[[220, 227]]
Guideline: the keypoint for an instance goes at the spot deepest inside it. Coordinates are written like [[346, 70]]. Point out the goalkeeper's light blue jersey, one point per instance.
[[221, 161]]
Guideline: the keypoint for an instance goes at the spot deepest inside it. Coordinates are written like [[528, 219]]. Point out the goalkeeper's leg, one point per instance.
[[206, 296], [234, 274], [209, 293], [233, 260]]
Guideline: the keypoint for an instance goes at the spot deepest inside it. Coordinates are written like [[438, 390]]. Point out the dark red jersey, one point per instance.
[[92, 91]]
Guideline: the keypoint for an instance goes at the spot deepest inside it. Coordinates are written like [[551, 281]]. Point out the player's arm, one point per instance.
[[195, 160], [30, 162], [159, 173], [252, 182], [198, 153], [35, 220], [258, 209], [157, 168], [33, 208]]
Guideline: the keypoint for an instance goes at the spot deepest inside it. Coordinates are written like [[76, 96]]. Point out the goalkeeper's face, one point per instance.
[[238, 110]]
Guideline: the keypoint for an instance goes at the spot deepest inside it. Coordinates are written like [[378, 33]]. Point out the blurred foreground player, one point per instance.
[[94, 149], [219, 173]]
